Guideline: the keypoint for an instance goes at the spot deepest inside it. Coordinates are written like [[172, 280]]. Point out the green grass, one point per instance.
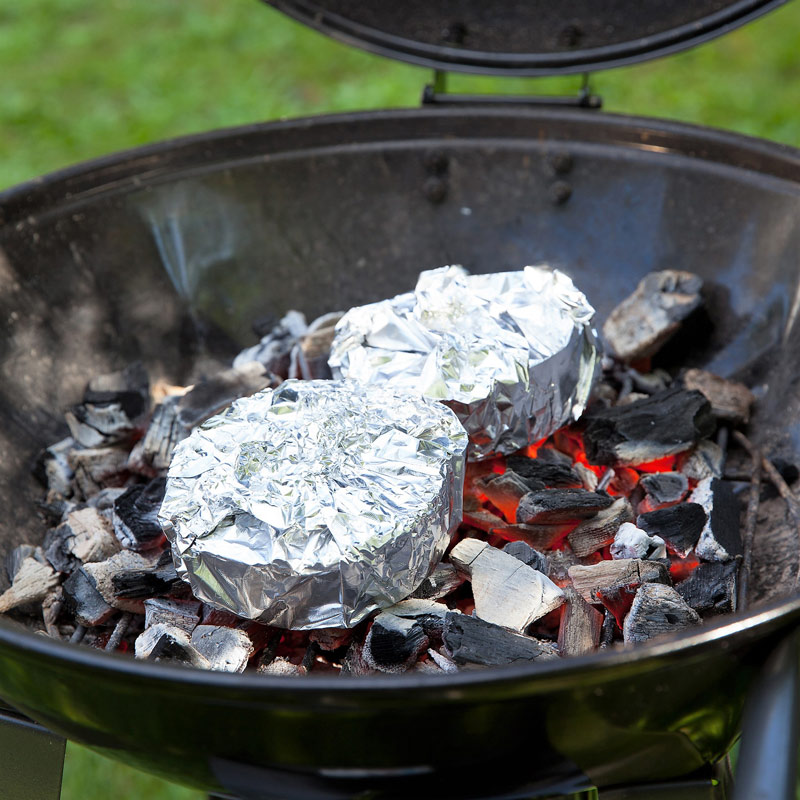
[[87, 77], [81, 78]]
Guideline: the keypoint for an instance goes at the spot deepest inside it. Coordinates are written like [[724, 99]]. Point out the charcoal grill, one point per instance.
[[168, 252]]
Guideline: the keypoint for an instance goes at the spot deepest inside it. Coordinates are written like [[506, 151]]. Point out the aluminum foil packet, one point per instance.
[[512, 353], [316, 503]]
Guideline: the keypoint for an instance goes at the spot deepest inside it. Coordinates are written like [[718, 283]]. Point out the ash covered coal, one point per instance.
[[617, 529]]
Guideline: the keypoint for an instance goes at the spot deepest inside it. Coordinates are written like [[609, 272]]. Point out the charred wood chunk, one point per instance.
[[393, 643], [167, 643], [148, 581], [444, 579], [705, 461], [645, 320], [504, 491], [663, 488], [226, 649], [174, 419], [84, 537], [470, 640], [113, 405], [99, 467], [315, 346], [183, 614], [679, 526], [428, 613], [580, 628], [84, 601], [711, 588], [720, 539], [633, 542], [33, 579], [276, 345], [18, 555], [657, 610], [103, 574], [53, 469], [540, 537], [354, 662], [655, 427], [598, 531], [527, 555], [588, 581], [731, 401], [284, 667], [539, 473], [136, 522], [552, 506], [506, 591], [331, 639]]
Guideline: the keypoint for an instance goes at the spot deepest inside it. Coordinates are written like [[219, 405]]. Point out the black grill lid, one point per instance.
[[524, 37]]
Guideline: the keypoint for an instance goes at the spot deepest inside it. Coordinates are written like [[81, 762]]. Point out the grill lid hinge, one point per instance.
[[436, 94]]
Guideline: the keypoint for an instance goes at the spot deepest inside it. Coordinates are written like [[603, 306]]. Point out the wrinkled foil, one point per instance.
[[313, 504], [512, 353]]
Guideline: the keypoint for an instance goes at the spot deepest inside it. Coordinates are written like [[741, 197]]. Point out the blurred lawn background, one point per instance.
[[81, 78]]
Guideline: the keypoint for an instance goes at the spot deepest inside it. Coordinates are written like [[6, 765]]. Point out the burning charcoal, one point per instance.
[[539, 537], [560, 562], [506, 591], [711, 588], [679, 526], [167, 643], [730, 401], [177, 415], [589, 479], [551, 506], [613, 583], [598, 531], [393, 643], [721, 538], [330, 639], [227, 649], [633, 542], [354, 662], [705, 461], [470, 640], [579, 631], [136, 516], [609, 630], [662, 489], [98, 467], [281, 666], [33, 580], [103, 573], [662, 425], [442, 661], [274, 348], [111, 408], [527, 555], [657, 610], [504, 491], [443, 580], [183, 614], [540, 472], [146, 581], [643, 322], [84, 537], [54, 470], [83, 600]]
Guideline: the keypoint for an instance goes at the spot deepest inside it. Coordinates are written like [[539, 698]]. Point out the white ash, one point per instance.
[[633, 542]]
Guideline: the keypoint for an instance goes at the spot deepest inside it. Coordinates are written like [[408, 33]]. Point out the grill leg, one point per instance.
[[31, 759]]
